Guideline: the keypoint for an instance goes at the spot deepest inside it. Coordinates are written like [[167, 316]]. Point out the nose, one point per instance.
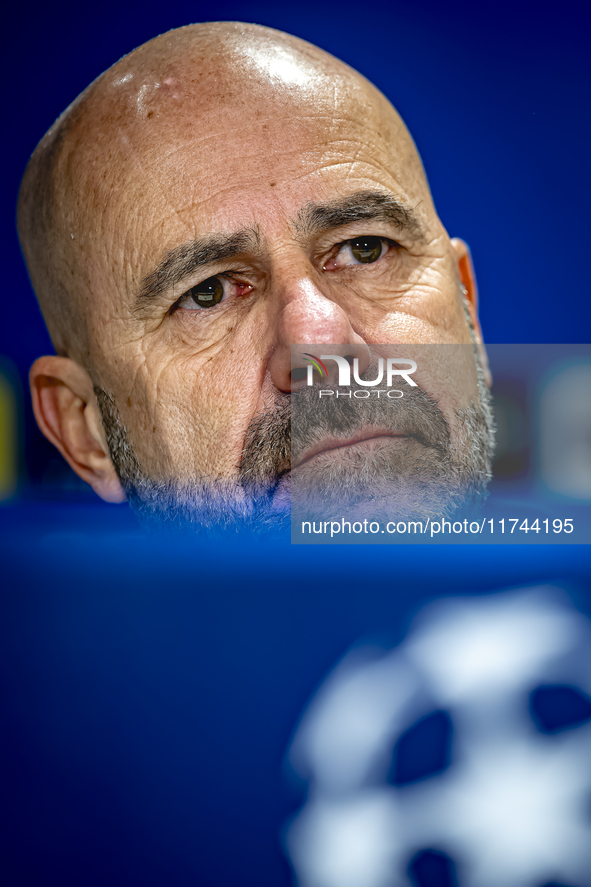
[[308, 325]]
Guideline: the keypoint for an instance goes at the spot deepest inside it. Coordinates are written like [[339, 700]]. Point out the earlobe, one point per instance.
[[67, 414]]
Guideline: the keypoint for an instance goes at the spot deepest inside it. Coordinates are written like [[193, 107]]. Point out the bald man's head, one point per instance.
[[220, 195], [199, 85]]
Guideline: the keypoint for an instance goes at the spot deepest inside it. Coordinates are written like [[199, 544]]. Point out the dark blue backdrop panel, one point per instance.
[[151, 688]]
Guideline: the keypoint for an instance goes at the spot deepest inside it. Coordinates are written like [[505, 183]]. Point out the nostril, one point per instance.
[[298, 374], [349, 358]]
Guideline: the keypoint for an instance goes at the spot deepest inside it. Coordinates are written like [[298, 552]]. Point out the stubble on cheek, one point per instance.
[[183, 425]]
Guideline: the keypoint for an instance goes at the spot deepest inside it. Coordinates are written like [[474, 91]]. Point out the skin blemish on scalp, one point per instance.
[[170, 87]]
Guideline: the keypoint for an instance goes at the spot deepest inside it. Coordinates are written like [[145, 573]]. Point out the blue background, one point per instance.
[[151, 687]]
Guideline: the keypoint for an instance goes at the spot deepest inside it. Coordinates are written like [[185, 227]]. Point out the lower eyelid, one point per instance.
[[389, 244], [199, 309]]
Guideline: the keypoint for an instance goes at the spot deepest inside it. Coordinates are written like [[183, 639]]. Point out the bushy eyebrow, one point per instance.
[[187, 258], [361, 206], [313, 218]]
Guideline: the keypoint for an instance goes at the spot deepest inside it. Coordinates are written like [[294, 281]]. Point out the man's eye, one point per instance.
[[205, 294], [366, 249], [361, 251]]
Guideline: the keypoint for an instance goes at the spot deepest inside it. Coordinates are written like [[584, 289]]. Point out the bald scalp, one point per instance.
[[136, 110]]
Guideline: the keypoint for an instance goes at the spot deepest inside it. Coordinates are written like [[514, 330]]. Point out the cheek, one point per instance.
[[447, 373], [419, 303], [188, 418]]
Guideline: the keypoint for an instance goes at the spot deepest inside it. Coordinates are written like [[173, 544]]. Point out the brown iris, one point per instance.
[[366, 249], [207, 293]]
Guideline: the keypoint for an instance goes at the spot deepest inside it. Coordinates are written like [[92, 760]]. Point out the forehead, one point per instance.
[[176, 151]]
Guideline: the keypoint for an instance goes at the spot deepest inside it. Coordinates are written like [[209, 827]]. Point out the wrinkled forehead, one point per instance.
[[195, 79], [191, 120], [166, 147]]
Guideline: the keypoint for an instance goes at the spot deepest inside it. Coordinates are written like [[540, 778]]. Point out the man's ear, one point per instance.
[[67, 413], [468, 280]]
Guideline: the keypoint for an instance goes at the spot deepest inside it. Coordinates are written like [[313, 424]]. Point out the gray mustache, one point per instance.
[[303, 419], [415, 414]]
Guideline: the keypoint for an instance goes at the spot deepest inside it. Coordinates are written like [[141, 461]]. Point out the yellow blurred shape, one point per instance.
[[8, 439]]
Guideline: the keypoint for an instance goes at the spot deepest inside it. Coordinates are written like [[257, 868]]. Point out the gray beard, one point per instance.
[[426, 474], [429, 474]]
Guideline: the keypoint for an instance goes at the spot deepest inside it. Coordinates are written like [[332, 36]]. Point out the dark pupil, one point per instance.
[[208, 293], [367, 249]]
